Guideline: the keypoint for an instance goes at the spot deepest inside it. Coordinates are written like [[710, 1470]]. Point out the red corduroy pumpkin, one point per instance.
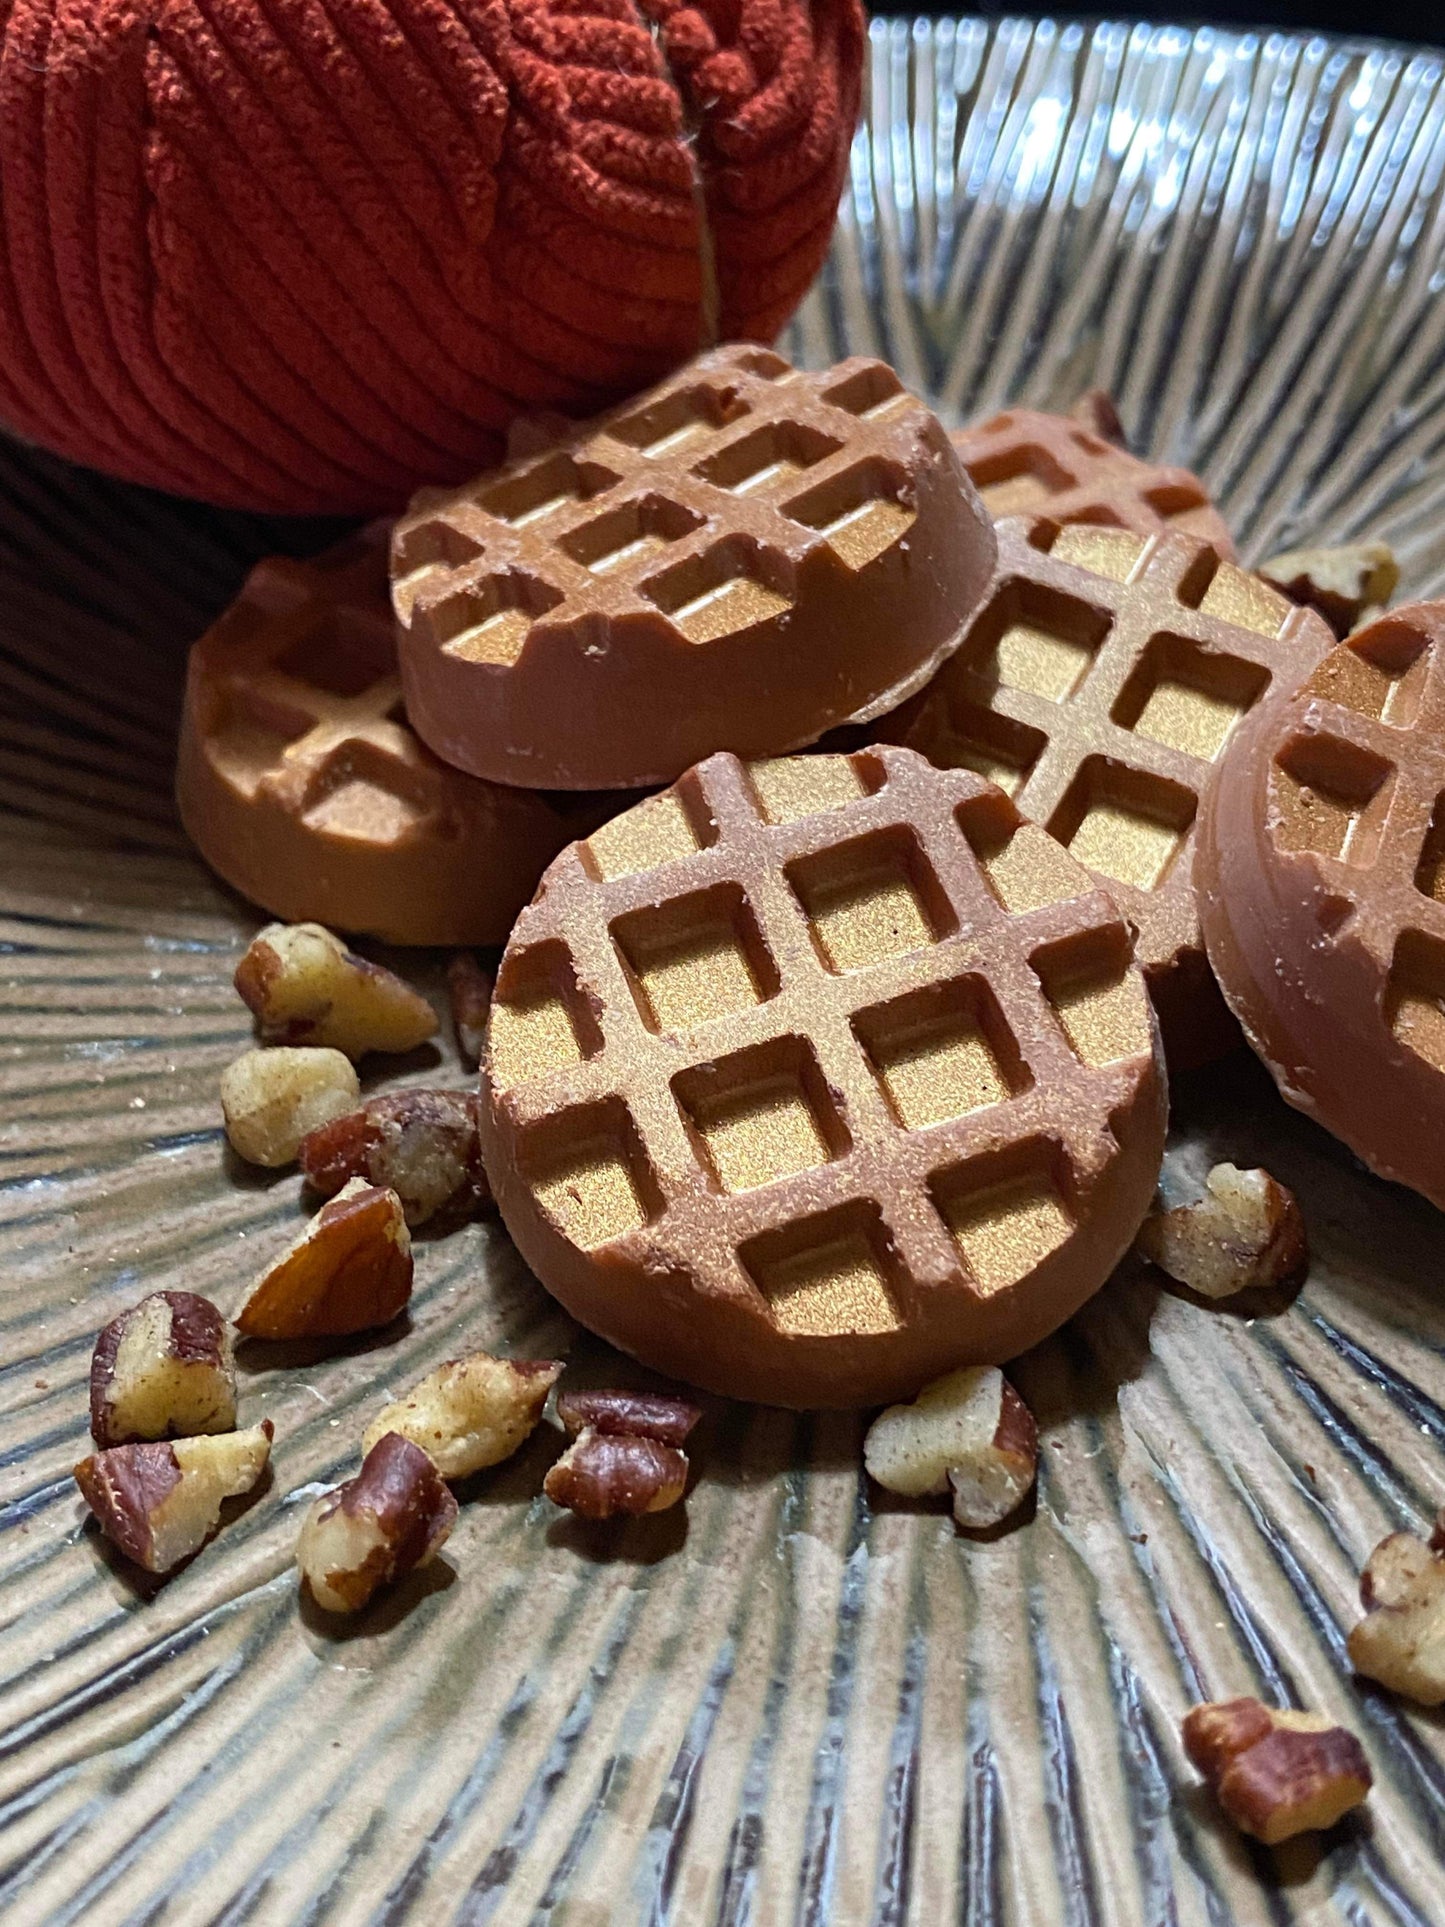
[[304, 254]]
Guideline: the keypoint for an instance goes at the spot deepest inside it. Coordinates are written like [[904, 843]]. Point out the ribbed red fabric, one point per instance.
[[304, 254]]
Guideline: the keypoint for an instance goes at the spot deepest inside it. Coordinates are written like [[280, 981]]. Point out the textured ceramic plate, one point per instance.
[[797, 1704]]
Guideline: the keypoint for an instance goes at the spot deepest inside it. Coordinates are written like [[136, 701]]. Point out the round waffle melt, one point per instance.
[[299, 780], [1025, 462], [1321, 875], [1100, 680], [740, 559], [812, 1078]]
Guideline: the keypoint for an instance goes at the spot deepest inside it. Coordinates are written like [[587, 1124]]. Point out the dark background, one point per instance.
[[1385, 19]]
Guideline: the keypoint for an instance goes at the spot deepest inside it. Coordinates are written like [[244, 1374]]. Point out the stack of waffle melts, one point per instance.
[[867, 818]]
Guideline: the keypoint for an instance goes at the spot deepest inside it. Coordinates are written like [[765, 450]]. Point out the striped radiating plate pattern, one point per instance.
[[801, 1703]]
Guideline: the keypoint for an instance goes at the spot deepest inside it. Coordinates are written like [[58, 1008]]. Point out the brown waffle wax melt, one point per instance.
[[810, 1079], [1321, 877], [1099, 683], [1026, 462], [739, 559], [300, 781]]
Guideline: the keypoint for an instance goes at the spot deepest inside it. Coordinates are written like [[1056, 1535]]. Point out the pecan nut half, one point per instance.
[[1246, 1231], [968, 1431], [601, 1474], [1401, 1640], [271, 1099]]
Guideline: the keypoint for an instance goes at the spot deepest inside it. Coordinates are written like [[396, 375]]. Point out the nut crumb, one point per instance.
[[305, 987], [1246, 1231], [470, 988], [1276, 1772], [1348, 585]]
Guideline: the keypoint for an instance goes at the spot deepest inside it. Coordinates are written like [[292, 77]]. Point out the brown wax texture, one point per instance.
[[810, 1079], [302, 784], [1101, 679], [741, 558], [1321, 882], [1027, 462]]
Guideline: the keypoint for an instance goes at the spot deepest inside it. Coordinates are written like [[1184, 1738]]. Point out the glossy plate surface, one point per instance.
[[797, 1704]]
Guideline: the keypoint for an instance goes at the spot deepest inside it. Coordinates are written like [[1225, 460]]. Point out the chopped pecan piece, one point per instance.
[[642, 1415], [1346, 584], [625, 1454], [271, 1099], [602, 1473], [1401, 1640], [1247, 1230], [470, 988], [1276, 1772], [422, 1144], [306, 987], [396, 1514], [471, 1412], [970, 1431], [162, 1370], [350, 1269], [160, 1502]]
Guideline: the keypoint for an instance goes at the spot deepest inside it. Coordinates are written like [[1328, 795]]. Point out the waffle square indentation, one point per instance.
[[1006, 1212], [767, 457], [1380, 674], [539, 1022], [1098, 999], [1125, 824], [490, 620], [1246, 601], [1109, 552], [1033, 639], [1188, 698], [1329, 797], [695, 958], [827, 1275], [651, 833], [628, 534], [870, 899], [1415, 997], [590, 1174], [553, 482], [684, 415], [858, 513], [941, 1052], [761, 1114], [789, 788], [730, 587]]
